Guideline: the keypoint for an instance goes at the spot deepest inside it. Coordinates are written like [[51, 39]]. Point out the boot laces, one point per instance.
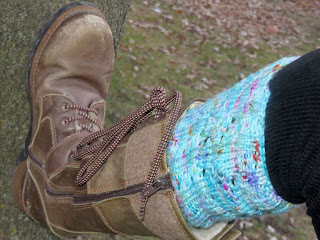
[[109, 138], [83, 113]]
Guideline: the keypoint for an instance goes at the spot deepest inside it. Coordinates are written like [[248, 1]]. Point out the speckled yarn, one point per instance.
[[216, 155]]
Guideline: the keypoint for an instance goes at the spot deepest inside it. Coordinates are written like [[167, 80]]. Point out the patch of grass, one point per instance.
[[158, 51]]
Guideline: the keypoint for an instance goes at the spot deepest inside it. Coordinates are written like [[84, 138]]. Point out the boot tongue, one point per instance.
[[91, 114], [99, 107], [84, 94]]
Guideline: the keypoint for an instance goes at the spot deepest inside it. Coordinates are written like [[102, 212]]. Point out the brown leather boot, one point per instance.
[[68, 79], [76, 177]]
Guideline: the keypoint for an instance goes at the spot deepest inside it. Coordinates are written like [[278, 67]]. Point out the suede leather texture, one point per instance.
[[136, 153]]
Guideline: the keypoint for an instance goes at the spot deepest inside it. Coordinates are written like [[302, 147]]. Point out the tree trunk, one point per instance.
[[19, 23]]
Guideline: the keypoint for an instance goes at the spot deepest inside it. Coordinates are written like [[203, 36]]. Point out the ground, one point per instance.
[[197, 47]]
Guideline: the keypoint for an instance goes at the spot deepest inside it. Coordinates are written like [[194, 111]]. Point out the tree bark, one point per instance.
[[19, 22]]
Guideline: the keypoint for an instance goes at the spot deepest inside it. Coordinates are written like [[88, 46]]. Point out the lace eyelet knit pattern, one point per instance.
[[216, 155]]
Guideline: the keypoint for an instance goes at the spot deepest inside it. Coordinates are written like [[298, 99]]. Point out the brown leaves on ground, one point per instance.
[[247, 23], [194, 37], [243, 23]]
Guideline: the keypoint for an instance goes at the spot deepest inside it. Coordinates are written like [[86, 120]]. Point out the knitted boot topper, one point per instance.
[[293, 133], [216, 155]]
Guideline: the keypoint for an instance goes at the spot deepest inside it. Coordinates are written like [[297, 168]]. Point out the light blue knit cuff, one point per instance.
[[216, 155]]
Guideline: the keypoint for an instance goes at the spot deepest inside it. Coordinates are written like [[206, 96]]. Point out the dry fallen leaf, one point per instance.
[[272, 29]]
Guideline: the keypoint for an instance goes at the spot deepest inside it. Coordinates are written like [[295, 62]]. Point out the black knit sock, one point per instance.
[[292, 133]]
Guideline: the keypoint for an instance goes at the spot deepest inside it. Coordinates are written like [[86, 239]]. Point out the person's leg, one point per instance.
[[252, 148], [292, 134], [217, 155]]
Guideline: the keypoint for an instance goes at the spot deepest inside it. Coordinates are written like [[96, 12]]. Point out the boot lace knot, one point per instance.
[[108, 139]]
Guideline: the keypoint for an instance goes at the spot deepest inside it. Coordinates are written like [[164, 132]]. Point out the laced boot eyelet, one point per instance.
[[64, 123], [64, 108]]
